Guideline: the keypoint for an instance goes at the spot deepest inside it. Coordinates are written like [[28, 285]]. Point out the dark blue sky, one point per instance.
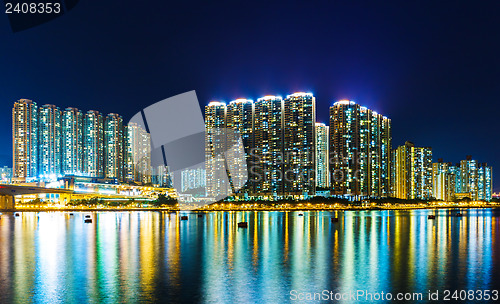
[[433, 67]]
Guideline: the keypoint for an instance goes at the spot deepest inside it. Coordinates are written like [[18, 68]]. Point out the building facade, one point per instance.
[[72, 142], [268, 150], [49, 141], [485, 184], [239, 117], [114, 153], [412, 168], [443, 181], [360, 151], [137, 154], [93, 144], [299, 145], [218, 184], [193, 179], [5, 175], [322, 156], [25, 140]]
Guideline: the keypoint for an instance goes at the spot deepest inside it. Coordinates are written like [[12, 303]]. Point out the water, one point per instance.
[[130, 257]]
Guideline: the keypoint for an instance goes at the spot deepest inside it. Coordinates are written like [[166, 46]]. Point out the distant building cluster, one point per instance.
[[415, 176], [290, 155], [49, 143], [5, 175], [192, 179], [468, 178]]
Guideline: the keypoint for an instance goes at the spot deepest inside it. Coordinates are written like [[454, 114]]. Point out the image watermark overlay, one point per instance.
[[26, 14], [181, 142]]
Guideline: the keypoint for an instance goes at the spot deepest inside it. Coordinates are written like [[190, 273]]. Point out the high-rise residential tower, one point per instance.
[[299, 145], [193, 179], [469, 177], [443, 181], [114, 147], [138, 152], [25, 140], [268, 152], [322, 166], [239, 117], [49, 140], [72, 142], [360, 149], [217, 182], [93, 144], [412, 172], [484, 184]]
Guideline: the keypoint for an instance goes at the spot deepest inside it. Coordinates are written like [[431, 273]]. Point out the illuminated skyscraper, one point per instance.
[[413, 172], [443, 181], [93, 144], [299, 144], [25, 140], [469, 177], [485, 186], [322, 171], [360, 149], [475, 180], [138, 148], [268, 156], [72, 141], [239, 117], [49, 140], [439, 186], [114, 147], [217, 181]]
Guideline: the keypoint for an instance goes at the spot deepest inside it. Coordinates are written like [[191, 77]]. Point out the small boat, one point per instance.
[[200, 215], [87, 220], [459, 214], [71, 214], [335, 219], [431, 217], [300, 214], [17, 214], [87, 216], [243, 225], [184, 218]]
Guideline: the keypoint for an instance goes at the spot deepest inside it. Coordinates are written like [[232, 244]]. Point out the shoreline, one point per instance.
[[303, 208]]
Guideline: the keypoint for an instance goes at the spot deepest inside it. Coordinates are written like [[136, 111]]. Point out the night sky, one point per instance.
[[432, 67]]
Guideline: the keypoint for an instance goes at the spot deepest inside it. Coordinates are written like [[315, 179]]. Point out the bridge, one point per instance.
[[7, 193]]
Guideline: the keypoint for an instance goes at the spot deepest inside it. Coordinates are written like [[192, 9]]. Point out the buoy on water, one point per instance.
[[243, 225]]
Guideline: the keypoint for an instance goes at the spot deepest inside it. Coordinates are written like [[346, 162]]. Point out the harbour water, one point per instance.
[[131, 257]]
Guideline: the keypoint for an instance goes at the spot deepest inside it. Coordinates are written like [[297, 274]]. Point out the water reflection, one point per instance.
[[153, 256]]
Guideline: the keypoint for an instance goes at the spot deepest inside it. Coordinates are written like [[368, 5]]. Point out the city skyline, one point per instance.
[[250, 152], [495, 189], [376, 54], [280, 140]]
